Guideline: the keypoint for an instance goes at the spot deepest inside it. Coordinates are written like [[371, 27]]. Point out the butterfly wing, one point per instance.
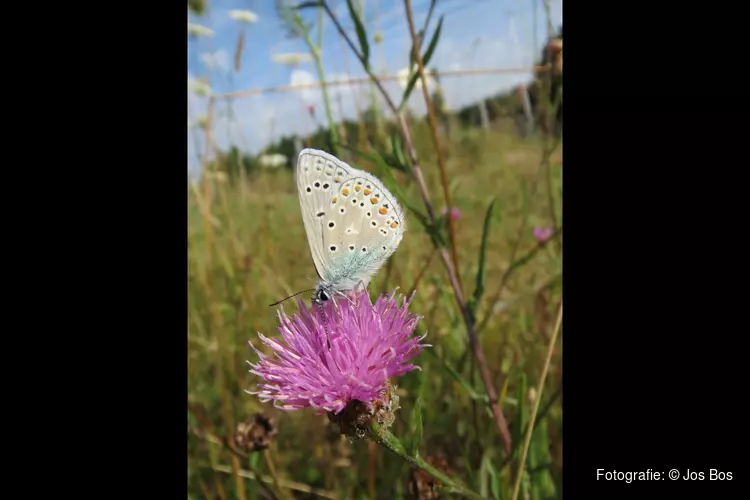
[[354, 225], [317, 174], [364, 228]]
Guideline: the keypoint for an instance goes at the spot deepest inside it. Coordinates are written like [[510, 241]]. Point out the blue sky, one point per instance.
[[476, 34]]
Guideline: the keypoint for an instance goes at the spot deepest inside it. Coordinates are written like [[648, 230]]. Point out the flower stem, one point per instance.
[[445, 256], [388, 440], [316, 53], [272, 471], [433, 128], [535, 410]]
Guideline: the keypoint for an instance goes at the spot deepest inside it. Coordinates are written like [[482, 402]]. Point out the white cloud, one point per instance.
[[462, 90], [259, 119], [218, 60], [302, 77]]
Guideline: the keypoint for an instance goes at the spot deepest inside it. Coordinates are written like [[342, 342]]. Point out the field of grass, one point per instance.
[[247, 248]]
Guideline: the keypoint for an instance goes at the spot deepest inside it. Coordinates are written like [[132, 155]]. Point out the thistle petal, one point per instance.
[[370, 344]]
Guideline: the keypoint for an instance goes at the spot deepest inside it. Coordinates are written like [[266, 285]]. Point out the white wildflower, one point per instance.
[[216, 60], [197, 30], [291, 58], [273, 160], [404, 76], [200, 122], [198, 87], [243, 16]]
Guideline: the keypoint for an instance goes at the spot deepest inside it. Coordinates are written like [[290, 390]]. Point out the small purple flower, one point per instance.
[[455, 213], [370, 343], [542, 234]]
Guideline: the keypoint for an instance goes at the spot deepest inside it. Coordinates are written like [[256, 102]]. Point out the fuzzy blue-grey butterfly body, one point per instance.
[[353, 223]]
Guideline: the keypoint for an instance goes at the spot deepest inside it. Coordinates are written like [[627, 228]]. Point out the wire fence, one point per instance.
[[236, 135], [367, 79]]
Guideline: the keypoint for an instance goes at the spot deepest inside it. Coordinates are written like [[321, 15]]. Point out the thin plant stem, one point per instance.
[[389, 441], [542, 413], [537, 400], [316, 53], [362, 129], [422, 271], [272, 472], [372, 449], [368, 79], [513, 266], [292, 485], [417, 171], [500, 422], [208, 195], [208, 432], [521, 232], [433, 128]]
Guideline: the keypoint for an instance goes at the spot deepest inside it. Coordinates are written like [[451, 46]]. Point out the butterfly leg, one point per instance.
[[361, 286], [349, 299]]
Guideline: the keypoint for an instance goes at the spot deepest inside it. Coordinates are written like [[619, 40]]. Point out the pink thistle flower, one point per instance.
[[455, 213], [370, 344], [542, 234]]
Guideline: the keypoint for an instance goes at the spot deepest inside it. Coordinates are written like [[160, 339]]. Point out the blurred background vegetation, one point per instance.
[[247, 248]]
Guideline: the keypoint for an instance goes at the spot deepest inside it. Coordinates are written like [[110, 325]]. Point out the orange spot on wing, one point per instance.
[[383, 211], [394, 225], [345, 192], [335, 198], [367, 191], [374, 201], [357, 188], [337, 179]]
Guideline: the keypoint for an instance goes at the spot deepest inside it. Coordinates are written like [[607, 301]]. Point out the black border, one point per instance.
[[648, 380], [116, 241]]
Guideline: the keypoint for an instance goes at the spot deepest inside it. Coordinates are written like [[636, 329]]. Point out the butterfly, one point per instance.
[[353, 223]]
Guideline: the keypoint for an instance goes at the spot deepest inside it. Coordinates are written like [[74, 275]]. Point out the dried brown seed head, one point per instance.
[[255, 434]]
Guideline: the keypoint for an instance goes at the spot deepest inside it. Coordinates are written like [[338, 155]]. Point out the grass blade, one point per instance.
[[306, 5], [479, 288], [361, 34], [416, 428], [425, 60]]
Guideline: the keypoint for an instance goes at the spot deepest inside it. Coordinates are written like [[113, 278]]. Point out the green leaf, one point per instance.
[[433, 43], [385, 438], [473, 394], [398, 152], [361, 34], [519, 423], [489, 480], [197, 7], [420, 33], [420, 37], [436, 232], [542, 483], [416, 429], [479, 288], [254, 460], [425, 59], [305, 5]]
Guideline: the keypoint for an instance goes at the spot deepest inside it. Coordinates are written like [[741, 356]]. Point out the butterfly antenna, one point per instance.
[[294, 295]]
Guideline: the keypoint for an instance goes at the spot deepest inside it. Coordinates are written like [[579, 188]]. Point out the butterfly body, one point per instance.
[[353, 223]]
